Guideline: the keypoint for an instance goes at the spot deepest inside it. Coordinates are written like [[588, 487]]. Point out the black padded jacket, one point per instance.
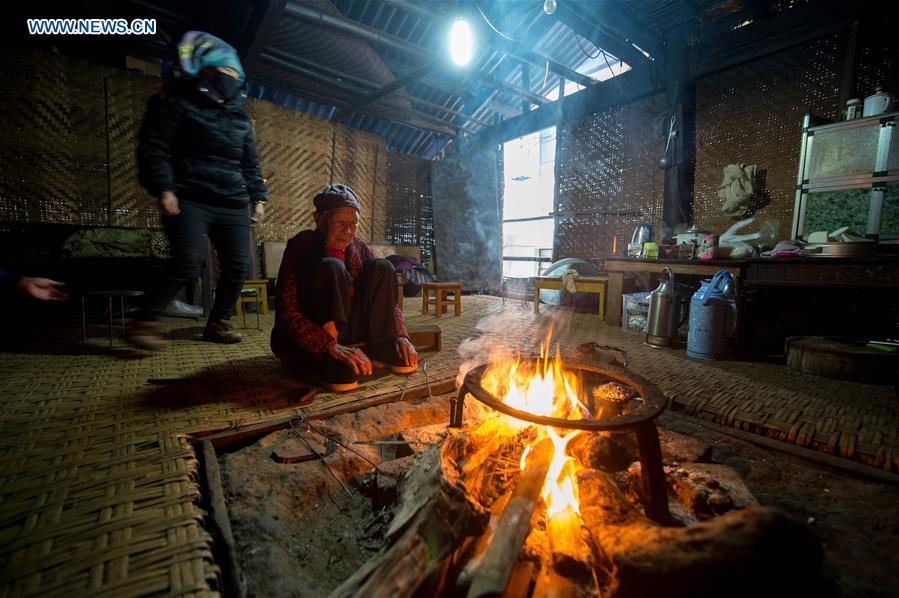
[[200, 149]]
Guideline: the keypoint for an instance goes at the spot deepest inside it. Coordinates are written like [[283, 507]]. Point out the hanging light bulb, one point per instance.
[[461, 42], [549, 6]]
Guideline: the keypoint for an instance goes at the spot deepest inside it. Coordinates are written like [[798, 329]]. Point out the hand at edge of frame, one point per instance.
[[168, 204]]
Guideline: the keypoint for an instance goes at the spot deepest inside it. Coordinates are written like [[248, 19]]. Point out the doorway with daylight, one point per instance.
[[528, 223]]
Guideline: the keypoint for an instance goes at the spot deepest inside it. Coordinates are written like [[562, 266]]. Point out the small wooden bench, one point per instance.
[[585, 284], [440, 299]]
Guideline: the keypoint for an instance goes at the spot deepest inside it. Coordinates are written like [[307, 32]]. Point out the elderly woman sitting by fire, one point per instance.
[[337, 317]]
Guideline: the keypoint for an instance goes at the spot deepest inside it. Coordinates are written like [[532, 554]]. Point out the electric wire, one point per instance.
[[492, 26], [581, 46]]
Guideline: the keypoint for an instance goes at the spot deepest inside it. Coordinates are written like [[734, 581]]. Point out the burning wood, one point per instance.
[[435, 511], [596, 539], [568, 544], [513, 526]]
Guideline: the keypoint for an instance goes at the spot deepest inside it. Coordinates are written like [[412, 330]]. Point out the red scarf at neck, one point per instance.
[[336, 253]]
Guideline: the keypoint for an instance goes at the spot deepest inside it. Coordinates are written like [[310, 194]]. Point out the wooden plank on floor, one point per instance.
[[225, 438]]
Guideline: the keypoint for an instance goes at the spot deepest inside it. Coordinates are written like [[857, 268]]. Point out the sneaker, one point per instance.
[[221, 332], [144, 335], [385, 357], [334, 375]]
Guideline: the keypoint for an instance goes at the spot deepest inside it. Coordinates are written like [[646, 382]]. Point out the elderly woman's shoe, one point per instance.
[[334, 375], [383, 356]]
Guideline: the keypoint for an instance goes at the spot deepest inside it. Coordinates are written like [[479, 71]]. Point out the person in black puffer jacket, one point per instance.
[[197, 155]]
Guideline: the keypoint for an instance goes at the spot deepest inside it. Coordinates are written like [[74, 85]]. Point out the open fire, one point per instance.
[[544, 389], [533, 500], [551, 405], [559, 401]]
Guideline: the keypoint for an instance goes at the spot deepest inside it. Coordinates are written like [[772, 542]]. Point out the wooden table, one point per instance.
[[585, 284], [618, 266], [842, 272]]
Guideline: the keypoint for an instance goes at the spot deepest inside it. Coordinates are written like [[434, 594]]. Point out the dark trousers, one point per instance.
[[367, 314], [229, 231], [364, 316]]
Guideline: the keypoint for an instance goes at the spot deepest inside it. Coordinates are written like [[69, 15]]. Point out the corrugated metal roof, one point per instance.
[[483, 104], [308, 65], [302, 58]]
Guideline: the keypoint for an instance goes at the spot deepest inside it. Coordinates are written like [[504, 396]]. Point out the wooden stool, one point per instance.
[[440, 300], [261, 299]]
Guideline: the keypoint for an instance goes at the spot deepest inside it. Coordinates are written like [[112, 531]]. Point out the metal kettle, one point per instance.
[[664, 312]]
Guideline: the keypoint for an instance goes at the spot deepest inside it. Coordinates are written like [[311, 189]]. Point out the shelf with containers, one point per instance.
[[849, 176]]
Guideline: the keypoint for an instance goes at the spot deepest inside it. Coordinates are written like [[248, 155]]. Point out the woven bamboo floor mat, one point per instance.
[[98, 482]]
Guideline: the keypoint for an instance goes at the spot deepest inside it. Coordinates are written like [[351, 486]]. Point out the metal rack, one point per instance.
[[850, 169]]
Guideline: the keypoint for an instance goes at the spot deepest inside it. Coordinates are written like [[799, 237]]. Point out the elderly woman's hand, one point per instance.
[[405, 350], [354, 358]]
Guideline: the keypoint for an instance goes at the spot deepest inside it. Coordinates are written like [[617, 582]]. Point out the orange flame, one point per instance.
[[543, 389]]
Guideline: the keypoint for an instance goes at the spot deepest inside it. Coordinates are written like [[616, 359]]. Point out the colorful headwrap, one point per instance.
[[198, 49]]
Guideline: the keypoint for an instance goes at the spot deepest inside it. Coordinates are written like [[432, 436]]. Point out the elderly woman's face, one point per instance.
[[339, 226]]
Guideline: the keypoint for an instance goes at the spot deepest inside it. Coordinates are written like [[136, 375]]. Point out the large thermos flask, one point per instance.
[[664, 312], [713, 316]]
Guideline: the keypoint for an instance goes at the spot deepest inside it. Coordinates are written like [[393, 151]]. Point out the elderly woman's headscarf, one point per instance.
[[198, 50]]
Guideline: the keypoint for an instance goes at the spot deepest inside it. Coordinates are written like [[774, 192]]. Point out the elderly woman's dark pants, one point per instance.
[[229, 231], [367, 314]]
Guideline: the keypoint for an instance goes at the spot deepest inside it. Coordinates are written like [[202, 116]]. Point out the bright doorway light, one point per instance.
[[461, 42]]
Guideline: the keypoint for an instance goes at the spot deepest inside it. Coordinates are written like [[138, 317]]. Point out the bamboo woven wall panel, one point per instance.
[[609, 181], [294, 156], [409, 214], [62, 112], [295, 159], [752, 114], [127, 95], [53, 151], [357, 155]]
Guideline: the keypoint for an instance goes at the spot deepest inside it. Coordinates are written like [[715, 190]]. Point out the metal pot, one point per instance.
[[878, 103], [693, 234], [714, 316]]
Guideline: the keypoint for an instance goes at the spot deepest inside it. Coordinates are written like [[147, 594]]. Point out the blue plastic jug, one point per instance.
[[713, 316]]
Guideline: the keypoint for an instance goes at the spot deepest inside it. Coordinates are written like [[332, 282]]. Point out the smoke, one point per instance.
[[510, 333]]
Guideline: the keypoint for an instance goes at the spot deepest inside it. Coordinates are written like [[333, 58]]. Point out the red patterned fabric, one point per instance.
[[336, 253], [293, 329]]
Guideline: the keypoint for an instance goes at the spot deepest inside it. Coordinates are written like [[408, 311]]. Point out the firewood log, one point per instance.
[[571, 555], [753, 552], [601, 451], [492, 575], [552, 585], [435, 512]]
